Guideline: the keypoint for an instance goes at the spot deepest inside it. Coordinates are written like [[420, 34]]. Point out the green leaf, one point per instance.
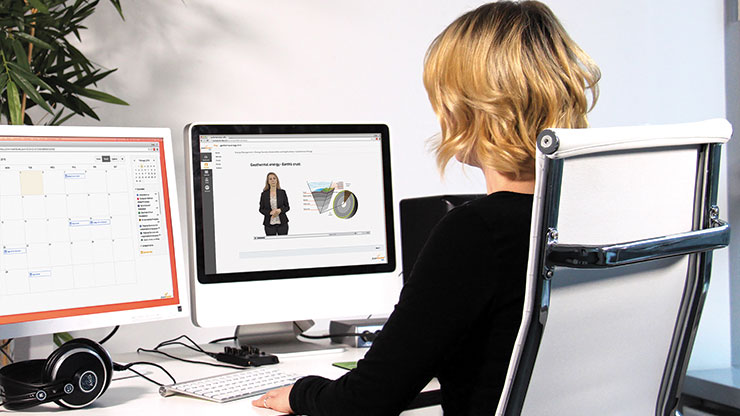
[[58, 120], [84, 108], [33, 39], [30, 90], [78, 58], [14, 104], [55, 121], [28, 75], [59, 67], [94, 77], [75, 104], [38, 5], [117, 5], [100, 96], [27, 120], [3, 80], [61, 337], [20, 54]]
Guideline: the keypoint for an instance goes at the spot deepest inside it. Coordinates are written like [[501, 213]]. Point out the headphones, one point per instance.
[[73, 376]]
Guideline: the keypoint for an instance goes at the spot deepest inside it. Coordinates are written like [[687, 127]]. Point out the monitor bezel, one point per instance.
[[195, 130]]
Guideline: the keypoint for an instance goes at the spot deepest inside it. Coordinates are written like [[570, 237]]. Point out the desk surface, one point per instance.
[[135, 396]]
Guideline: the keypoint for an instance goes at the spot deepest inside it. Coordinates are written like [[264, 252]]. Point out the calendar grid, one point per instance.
[[86, 223]]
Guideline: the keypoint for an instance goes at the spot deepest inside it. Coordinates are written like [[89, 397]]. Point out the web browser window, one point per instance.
[[332, 184], [85, 227]]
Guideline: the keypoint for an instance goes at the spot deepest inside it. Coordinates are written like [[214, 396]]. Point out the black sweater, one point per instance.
[[457, 319]]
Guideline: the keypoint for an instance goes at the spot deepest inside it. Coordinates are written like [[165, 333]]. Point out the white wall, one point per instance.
[[338, 60]]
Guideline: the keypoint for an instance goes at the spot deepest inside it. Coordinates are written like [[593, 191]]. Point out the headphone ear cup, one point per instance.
[[85, 369], [103, 354]]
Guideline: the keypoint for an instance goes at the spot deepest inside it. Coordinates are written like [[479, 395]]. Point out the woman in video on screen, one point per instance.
[[496, 77], [274, 205]]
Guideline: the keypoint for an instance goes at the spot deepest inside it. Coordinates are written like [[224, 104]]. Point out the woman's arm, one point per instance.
[[437, 307], [265, 203], [284, 207]]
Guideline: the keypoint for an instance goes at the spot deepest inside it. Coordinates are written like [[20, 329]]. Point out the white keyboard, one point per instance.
[[232, 386]]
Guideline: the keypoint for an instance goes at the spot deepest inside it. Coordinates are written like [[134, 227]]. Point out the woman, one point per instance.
[[496, 77], [274, 205]]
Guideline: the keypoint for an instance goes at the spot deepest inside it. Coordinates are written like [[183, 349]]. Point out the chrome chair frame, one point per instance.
[[708, 233]]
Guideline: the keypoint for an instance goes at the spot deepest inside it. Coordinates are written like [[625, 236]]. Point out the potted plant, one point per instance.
[[40, 66]]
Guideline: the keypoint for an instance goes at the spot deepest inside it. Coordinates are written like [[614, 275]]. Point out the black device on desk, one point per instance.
[[418, 218], [246, 356]]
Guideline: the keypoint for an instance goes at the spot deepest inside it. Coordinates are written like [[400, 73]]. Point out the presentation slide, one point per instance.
[[334, 189]]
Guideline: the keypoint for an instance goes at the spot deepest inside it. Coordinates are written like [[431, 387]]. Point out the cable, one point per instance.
[[174, 341], [127, 367], [195, 347], [365, 335], [349, 334], [183, 345], [216, 341], [186, 360], [146, 378], [113, 332]]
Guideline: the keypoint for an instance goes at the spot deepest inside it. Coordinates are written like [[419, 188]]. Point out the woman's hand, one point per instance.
[[276, 400], [275, 212]]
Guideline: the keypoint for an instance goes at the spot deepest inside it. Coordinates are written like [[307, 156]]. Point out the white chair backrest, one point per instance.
[[613, 340]]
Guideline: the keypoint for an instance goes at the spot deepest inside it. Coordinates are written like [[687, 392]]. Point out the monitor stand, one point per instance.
[[281, 338]]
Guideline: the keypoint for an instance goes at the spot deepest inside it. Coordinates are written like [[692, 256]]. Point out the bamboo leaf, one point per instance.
[[58, 120], [38, 5], [20, 54], [59, 67], [100, 96], [14, 103], [94, 77], [33, 39], [83, 108], [28, 75], [117, 5], [3, 80], [30, 90]]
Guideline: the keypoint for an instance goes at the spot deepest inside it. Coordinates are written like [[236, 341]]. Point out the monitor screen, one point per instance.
[[330, 185], [88, 227], [288, 202]]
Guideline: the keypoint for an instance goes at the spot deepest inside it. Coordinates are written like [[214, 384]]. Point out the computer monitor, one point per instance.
[[329, 252], [418, 218], [89, 229]]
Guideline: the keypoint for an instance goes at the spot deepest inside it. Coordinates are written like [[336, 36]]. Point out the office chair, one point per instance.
[[623, 224]]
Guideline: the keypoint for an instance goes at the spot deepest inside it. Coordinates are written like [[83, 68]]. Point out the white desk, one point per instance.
[[134, 396]]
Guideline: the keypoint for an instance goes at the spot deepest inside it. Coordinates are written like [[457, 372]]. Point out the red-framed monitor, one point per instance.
[[89, 229]]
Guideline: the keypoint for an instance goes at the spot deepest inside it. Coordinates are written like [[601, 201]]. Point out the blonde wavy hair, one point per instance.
[[500, 74]]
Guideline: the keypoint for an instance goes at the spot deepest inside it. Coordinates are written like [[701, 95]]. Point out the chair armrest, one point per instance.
[[612, 255]]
